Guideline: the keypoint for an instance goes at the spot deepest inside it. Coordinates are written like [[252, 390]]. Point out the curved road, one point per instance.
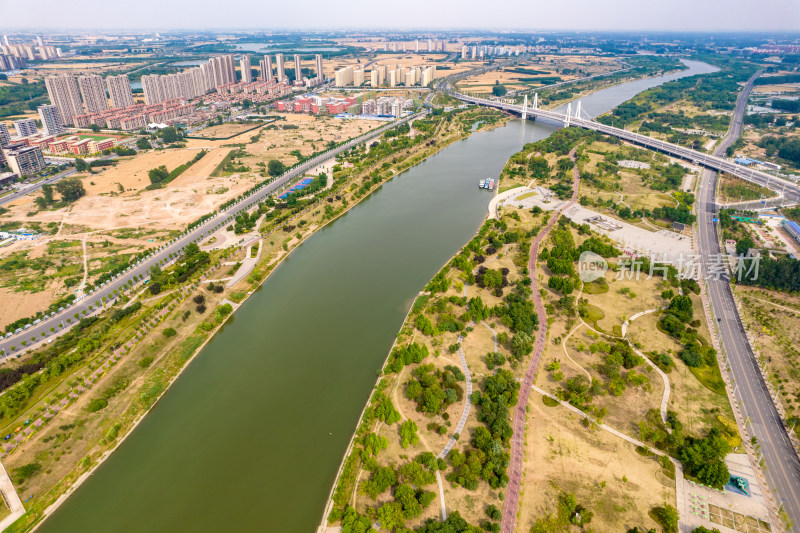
[[58, 321]]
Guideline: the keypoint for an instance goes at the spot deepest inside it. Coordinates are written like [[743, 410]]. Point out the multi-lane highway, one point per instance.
[[782, 465], [57, 323]]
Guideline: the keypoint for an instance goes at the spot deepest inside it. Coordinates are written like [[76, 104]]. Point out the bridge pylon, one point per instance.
[[535, 100], [567, 115], [525, 107], [578, 110]]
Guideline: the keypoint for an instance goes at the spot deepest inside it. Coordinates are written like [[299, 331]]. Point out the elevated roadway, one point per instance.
[[55, 324]]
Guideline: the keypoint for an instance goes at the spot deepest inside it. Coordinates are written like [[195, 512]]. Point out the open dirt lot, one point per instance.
[[312, 134]]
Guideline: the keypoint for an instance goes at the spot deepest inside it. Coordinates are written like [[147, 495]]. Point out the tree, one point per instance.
[[667, 517], [275, 167], [703, 458], [81, 165], [521, 345], [47, 191], [95, 128], [170, 135], [143, 144], [498, 89], [408, 434], [158, 174], [70, 189], [390, 515]]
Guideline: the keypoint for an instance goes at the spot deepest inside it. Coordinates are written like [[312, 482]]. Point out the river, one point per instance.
[[251, 435]]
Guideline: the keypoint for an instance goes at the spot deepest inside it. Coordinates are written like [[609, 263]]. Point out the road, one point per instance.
[[57, 323], [24, 192], [782, 464]]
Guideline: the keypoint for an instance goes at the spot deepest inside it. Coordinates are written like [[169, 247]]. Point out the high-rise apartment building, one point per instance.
[[5, 138], [25, 127], [51, 119], [279, 66], [358, 77], [244, 66], [119, 88], [344, 77], [93, 92], [153, 89], [24, 160], [223, 70], [298, 68], [320, 74], [265, 65], [64, 94]]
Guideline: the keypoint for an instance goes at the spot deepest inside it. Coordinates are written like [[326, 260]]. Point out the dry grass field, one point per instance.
[[605, 473]]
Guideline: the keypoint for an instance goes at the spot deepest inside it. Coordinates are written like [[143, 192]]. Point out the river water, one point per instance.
[[251, 435]]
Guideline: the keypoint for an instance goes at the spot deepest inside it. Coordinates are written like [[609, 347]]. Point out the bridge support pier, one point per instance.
[[525, 108]]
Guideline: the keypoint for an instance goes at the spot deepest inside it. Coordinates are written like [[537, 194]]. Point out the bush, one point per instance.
[[144, 362], [170, 332], [96, 404]]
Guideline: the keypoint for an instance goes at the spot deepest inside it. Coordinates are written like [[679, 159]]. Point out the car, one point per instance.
[[719, 319]]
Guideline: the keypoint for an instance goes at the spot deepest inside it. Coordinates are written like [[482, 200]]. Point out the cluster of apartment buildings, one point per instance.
[[14, 56], [74, 98], [386, 76], [432, 45], [22, 159], [220, 74], [481, 51], [28, 135], [315, 104]]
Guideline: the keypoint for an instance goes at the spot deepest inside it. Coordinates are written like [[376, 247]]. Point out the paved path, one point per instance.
[[11, 499], [511, 501], [248, 264], [467, 402], [664, 378]]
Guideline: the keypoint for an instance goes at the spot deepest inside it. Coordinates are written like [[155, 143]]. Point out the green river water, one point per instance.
[[251, 435]]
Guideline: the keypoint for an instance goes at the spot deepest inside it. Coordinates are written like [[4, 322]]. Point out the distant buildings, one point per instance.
[[320, 73], [4, 135], [314, 104], [119, 88], [51, 119], [265, 65], [281, 75], [392, 76], [244, 66], [298, 68], [25, 127]]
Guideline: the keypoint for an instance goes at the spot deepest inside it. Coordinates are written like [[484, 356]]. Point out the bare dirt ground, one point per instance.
[[224, 130], [312, 134], [15, 307], [605, 473]]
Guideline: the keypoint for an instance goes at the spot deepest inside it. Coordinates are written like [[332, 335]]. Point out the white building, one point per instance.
[[51, 119]]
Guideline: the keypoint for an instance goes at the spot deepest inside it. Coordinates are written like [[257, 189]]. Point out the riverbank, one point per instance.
[[270, 262]]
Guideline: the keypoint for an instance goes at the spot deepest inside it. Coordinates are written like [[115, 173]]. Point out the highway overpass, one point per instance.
[[789, 189]]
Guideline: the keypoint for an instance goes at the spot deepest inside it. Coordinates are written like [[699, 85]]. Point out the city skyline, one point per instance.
[[579, 15]]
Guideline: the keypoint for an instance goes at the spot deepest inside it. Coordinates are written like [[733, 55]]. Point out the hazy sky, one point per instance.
[[678, 15]]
